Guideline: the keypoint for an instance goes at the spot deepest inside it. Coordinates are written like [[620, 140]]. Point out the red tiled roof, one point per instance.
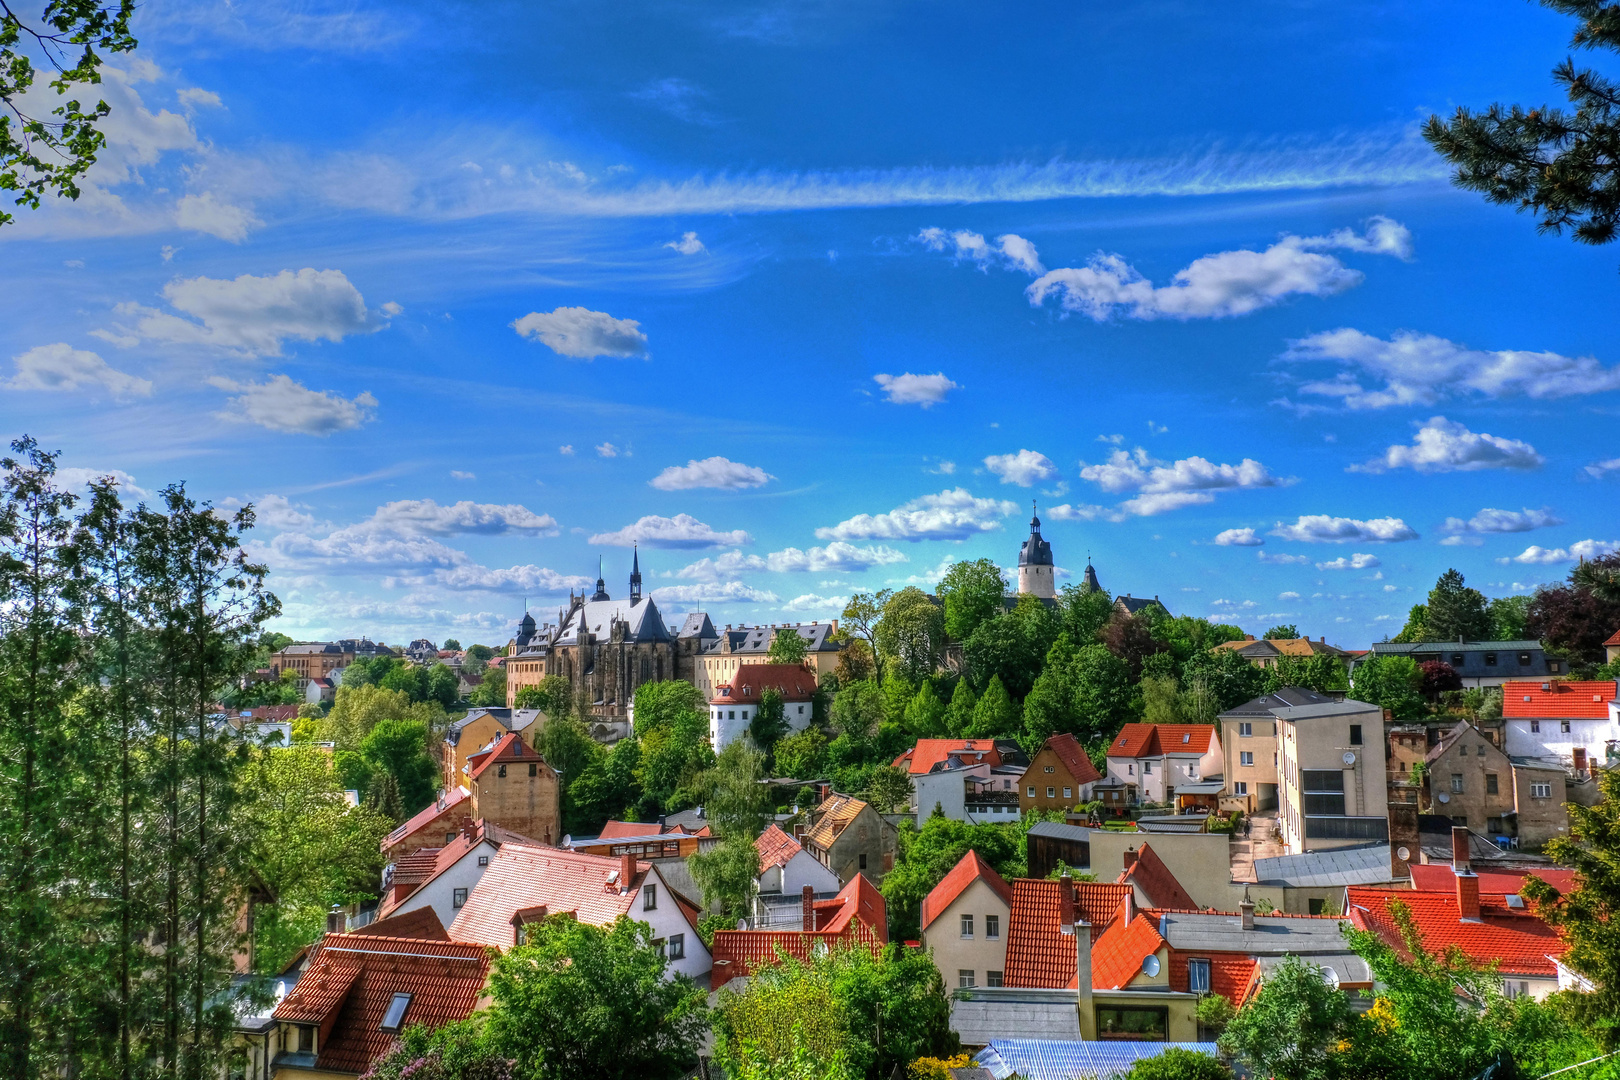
[[1116, 957], [422, 923], [615, 829], [859, 901], [776, 848], [1230, 974], [351, 981], [421, 871], [1614, 639], [971, 868], [929, 753], [1038, 954], [1153, 740], [1514, 937], [1438, 877], [794, 682], [427, 816], [856, 917], [416, 867], [1154, 878], [509, 748], [1074, 758], [1577, 700]]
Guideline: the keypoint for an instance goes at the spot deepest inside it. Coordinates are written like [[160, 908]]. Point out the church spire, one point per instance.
[[601, 583], [635, 575]]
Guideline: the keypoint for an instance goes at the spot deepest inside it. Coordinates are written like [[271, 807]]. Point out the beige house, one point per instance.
[[964, 922], [1249, 745], [311, 660], [1267, 651], [848, 837], [716, 659], [1331, 785], [1059, 777]]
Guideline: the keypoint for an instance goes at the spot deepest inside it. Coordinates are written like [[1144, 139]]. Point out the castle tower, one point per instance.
[[1035, 564]]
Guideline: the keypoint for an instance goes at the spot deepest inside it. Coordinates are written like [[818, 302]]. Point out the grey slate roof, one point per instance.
[[597, 616], [1349, 967], [1035, 551], [1273, 935], [1285, 697], [818, 637], [697, 625], [1403, 648], [1365, 865], [990, 1013], [1135, 604], [1039, 1059], [1349, 707], [1060, 831]]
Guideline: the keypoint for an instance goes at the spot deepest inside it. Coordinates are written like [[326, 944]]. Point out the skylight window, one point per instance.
[[396, 1012]]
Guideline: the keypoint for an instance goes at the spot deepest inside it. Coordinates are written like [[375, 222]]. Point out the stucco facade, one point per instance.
[[1332, 785], [970, 936]]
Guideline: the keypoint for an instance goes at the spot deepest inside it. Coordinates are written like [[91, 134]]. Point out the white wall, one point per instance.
[[1553, 741], [666, 921], [802, 870], [730, 721], [439, 894], [948, 789]]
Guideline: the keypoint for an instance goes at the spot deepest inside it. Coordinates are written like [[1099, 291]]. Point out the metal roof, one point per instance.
[[1349, 967], [1045, 1059], [1273, 935], [988, 1013], [1060, 831], [1284, 697], [1402, 648], [1364, 865], [1348, 707]]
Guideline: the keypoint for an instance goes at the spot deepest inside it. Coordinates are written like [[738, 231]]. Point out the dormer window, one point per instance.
[[396, 1012]]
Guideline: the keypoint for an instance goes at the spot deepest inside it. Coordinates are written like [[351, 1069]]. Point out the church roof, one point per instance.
[[597, 616], [697, 625]]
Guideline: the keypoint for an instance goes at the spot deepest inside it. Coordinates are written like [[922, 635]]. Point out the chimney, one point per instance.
[[1580, 759], [336, 920], [1459, 850], [1131, 855], [661, 827], [627, 871], [1468, 896], [1246, 911], [822, 791], [1066, 904], [1127, 907], [808, 902], [1082, 977]]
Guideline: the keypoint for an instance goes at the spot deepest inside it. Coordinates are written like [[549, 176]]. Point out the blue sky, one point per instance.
[[813, 298]]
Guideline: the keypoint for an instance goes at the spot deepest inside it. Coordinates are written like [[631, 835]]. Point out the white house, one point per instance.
[[444, 883], [786, 868], [1157, 759], [734, 704], [1554, 719]]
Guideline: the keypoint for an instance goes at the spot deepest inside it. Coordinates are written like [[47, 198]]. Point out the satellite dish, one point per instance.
[[1402, 853], [1444, 797], [1150, 965], [1349, 757], [1330, 977]]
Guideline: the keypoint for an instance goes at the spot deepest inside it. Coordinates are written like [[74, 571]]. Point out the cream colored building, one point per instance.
[[1331, 783], [718, 658], [964, 922]]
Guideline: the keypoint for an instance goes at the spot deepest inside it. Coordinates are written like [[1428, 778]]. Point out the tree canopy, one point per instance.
[[972, 593]]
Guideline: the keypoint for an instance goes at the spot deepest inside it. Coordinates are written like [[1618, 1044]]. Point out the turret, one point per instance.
[[635, 576], [1035, 563], [601, 584]]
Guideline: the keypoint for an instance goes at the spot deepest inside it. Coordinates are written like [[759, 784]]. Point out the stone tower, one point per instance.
[[1035, 564]]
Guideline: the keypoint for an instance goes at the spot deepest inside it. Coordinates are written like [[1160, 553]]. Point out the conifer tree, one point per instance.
[[959, 716]]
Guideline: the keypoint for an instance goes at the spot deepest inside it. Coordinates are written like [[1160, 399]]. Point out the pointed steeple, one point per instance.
[[635, 574], [601, 583]]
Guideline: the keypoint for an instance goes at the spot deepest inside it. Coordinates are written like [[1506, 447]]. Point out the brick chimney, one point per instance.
[[627, 871], [1082, 978], [822, 791], [1066, 904], [1468, 896], [1246, 911], [336, 921], [1459, 850], [1131, 855], [808, 907], [1580, 759]]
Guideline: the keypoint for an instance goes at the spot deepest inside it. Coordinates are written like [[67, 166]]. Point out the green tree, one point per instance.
[[788, 646], [1284, 631], [928, 853], [382, 795], [1573, 619], [1012, 647], [1050, 707], [735, 798], [1456, 611], [996, 715], [1083, 614], [860, 619], [452, 645], [1599, 576], [604, 786], [911, 634], [47, 154], [1556, 164], [1226, 678], [1321, 672], [1177, 1063], [1417, 626], [1131, 638], [443, 686], [577, 1000], [1292, 1027], [787, 1018], [972, 593], [1161, 700], [770, 719], [491, 690], [857, 709], [925, 713], [1394, 683], [1509, 614], [358, 709], [802, 756], [959, 715], [673, 754], [888, 789], [658, 704], [1102, 693], [552, 695], [400, 749], [728, 873]]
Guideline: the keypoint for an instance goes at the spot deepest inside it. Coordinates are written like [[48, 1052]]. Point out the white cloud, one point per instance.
[[712, 472], [953, 514], [60, 367], [1599, 469], [1442, 445], [1280, 559], [284, 405], [566, 451], [1581, 549], [909, 389], [1025, 468], [1354, 562], [941, 468], [813, 603], [275, 512], [727, 592], [197, 97], [74, 478], [680, 531], [583, 334], [1083, 512], [1420, 369], [250, 315], [1490, 520], [1321, 528], [471, 577], [1136, 471], [392, 309], [837, 557], [1288, 596], [207, 213], [607, 450], [1009, 250], [460, 474], [1218, 286], [688, 244], [424, 517], [1244, 537], [1164, 502]]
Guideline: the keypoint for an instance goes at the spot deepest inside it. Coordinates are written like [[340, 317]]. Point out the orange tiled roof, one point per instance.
[[1514, 937], [615, 829], [1614, 639], [1577, 700], [1438, 877], [971, 868], [1038, 954], [417, 867], [794, 682], [856, 917], [448, 803], [351, 981], [1154, 878], [1153, 740], [1074, 758], [834, 816], [510, 748], [1230, 974], [1116, 957], [422, 923], [929, 753], [776, 848]]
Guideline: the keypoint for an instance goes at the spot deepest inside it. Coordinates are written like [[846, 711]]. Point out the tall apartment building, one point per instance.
[[1331, 785]]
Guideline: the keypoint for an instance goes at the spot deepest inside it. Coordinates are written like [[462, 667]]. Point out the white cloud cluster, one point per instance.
[[712, 472], [1025, 468], [1599, 469], [837, 557], [1443, 445], [1163, 486], [813, 602], [471, 577], [734, 592], [605, 450], [1222, 285], [1009, 250], [688, 244], [953, 514], [1535, 554], [249, 315], [284, 405], [583, 334], [1420, 369], [1490, 521], [64, 369], [1244, 537], [908, 389], [1354, 562], [74, 478], [424, 517], [1322, 528], [208, 213], [683, 531], [1281, 559]]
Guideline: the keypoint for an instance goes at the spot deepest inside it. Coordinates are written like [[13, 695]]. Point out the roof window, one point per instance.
[[396, 1012], [1186, 736]]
